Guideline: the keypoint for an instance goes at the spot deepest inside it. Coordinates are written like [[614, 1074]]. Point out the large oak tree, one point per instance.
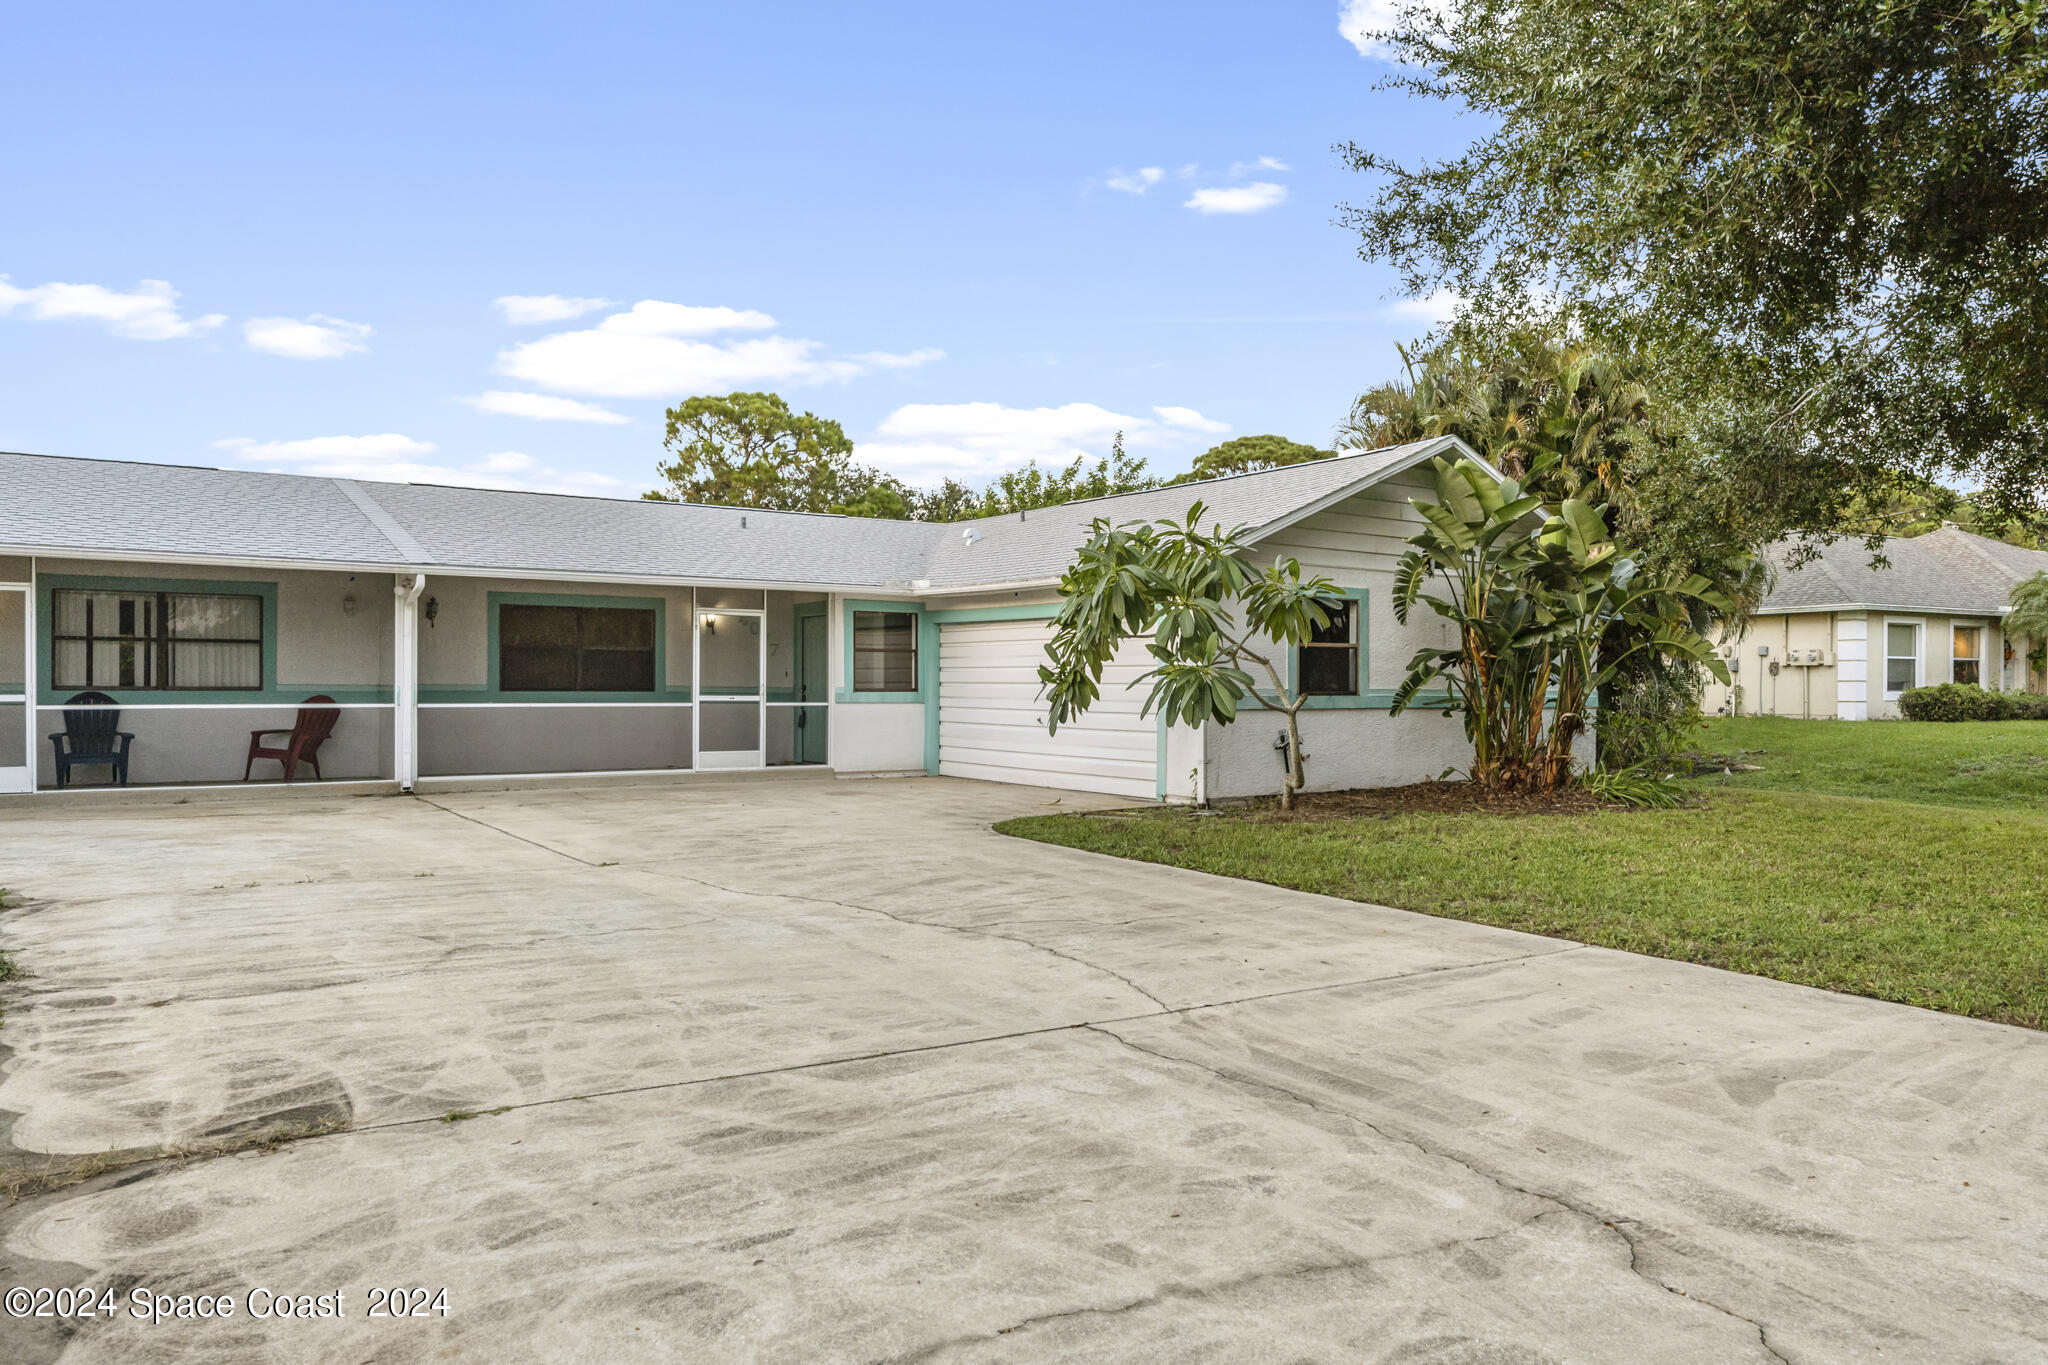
[[1826, 225]]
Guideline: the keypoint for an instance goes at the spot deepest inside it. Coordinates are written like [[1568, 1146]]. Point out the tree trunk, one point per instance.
[[1297, 761]]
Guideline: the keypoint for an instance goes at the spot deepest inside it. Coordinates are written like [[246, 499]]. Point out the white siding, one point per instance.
[[992, 720], [1356, 544]]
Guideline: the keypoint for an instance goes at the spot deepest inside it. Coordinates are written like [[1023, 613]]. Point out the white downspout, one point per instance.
[[405, 679]]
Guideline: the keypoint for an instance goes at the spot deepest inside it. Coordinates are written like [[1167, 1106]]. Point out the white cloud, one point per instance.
[[523, 310], [543, 408], [1439, 307], [930, 441], [1187, 419], [1138, 182], [388, 446], [661, 350], [1358, 18], [148, 313], [317, 337], [1264, 163], [653, 318], [926, 442], [391, 458], [891, 360], [1260, 194]]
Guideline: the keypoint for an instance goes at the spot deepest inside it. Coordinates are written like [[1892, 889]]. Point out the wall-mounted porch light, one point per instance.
[[348, 604], [433, 610]]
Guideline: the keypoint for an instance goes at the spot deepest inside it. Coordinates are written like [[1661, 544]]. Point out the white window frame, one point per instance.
[[1919, 627]]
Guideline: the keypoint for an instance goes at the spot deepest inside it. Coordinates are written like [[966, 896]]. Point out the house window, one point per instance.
[[1968, 654], [1329, 658], [157, 641], [1901, 657], [575, 649], [884, 651]]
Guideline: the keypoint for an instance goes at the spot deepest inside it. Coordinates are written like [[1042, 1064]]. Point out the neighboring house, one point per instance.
[[1838, 638], [465, 633]]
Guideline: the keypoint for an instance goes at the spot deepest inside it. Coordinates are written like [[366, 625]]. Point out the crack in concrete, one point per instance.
[[545, 848], [928, 924], [144, 1156], [1188, 1292], [1614, 1225], [825, 900], [981, 932]]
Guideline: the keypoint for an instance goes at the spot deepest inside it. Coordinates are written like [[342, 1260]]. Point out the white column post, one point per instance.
[[1853, 666], [405, 678], [31, 673]]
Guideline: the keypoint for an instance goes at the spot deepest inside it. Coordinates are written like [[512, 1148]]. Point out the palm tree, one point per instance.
[[1568, 421]]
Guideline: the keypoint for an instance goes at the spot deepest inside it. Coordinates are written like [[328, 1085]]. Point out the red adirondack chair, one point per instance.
[[306, 736]]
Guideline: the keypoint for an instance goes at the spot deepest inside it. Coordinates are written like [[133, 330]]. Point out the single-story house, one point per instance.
[[1837, 637], [462, 633]]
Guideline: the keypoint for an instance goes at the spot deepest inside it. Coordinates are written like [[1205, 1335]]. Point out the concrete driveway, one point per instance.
[[827, 1070]]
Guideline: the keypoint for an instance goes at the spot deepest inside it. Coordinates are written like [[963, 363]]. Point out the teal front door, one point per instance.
[[811, 686]]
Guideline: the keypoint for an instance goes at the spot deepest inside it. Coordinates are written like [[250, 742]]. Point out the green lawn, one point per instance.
[[1916, 872], [2002, 764]]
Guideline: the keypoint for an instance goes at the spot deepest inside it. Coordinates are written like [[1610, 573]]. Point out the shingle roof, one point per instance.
[[482, 529], [47, 501], [51, 504], [1945, 570], [1038, 545]]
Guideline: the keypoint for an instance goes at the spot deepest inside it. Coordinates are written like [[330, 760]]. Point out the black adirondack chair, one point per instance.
[[92, 739]]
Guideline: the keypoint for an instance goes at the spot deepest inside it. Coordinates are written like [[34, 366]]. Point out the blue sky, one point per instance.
[[490, 244]]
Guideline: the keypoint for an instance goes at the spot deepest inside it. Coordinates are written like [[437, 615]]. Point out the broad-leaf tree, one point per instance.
[[1212, 617], [1245, 454], [1536, 608], [753, 450], [1827, 224], [1035, 485]]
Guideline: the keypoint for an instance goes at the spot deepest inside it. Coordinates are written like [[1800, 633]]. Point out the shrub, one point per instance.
[[1649, 714], [1967, 701]]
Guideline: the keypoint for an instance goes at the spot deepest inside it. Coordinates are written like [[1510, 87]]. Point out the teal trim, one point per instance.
[[812, 743], [845, 693], [801, 612], [1362, 700], [1036, 611], [928, 682], [1380, 698], [267, 695], [492, 692]]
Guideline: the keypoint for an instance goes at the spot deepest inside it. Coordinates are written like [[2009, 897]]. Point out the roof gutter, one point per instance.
[[1879, 606]]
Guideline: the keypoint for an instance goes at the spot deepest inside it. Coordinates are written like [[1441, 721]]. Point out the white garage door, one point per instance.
[[992, 721]]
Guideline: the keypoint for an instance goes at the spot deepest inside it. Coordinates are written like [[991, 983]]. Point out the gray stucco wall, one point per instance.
[[211, 744], [332, 633], [481, 740]]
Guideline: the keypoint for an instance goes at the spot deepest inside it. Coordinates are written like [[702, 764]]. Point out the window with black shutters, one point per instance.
[[1329, 658], [575, 649]]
